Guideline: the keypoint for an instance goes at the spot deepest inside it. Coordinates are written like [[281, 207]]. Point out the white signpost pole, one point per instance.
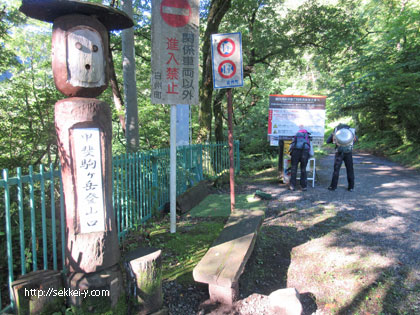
[[172, 163], [175, 52]]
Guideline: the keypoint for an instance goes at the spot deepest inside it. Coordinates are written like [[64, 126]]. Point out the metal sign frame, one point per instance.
[[227, 67]]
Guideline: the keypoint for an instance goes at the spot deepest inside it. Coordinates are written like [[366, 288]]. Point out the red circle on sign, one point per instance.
[[222, 69], [226, 47], [175, 13]]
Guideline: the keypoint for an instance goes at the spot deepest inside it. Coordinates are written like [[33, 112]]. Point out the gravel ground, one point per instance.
[[380, 226]]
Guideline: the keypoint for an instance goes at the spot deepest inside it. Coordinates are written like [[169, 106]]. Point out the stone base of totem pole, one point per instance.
[[96, 292], [38, 292], [143, 268]]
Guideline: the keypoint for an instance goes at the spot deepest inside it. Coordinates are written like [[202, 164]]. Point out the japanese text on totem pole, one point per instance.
[[90, 205]]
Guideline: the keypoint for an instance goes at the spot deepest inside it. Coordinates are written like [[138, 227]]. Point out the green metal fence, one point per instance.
[[32, 208]]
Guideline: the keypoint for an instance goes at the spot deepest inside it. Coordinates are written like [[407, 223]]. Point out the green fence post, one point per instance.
[[8, 232], [138, 191], [33, 226], [43, 218], [21, 221], [53, 223], [155, 183], [238, 159], [62, 222]]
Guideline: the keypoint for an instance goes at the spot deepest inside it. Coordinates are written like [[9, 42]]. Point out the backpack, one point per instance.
[[301, 140], [344, 138]]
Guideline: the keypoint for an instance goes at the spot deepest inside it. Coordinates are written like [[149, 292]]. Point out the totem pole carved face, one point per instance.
[[80, 56], [85, 58]]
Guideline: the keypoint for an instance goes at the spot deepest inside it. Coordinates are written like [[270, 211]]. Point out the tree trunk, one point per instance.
[[118, 101], [217, 11], [218, 115], [129, 74]]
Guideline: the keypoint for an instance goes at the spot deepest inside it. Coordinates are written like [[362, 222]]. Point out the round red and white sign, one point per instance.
[[227, 69], [226, 47], [175, 13]]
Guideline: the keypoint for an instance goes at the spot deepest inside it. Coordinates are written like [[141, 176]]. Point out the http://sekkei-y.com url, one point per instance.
[[51, 292]]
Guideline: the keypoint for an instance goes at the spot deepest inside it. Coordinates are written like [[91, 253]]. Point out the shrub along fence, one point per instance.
[[32, 207]]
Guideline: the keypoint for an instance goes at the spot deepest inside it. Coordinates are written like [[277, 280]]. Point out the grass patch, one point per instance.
[[181, 251], [253, 163], [219, 205], [185, 248]]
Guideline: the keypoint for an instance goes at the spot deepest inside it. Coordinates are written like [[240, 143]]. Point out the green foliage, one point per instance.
[[253, 163], [365, 52], [27, 98], [380, 87]]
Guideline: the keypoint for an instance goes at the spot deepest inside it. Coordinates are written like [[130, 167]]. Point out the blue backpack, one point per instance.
[[301, 140]]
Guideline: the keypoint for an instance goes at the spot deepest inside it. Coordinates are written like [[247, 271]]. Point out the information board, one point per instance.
[[289, 113]]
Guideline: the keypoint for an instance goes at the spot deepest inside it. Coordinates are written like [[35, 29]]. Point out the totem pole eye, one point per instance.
[[94, 48], [79, 46]]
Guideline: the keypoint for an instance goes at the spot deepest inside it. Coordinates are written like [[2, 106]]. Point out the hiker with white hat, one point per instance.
[[343, 137]]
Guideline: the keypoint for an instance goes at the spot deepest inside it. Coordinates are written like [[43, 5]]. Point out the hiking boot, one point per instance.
[[292, 188], [350, 189], [331, 188], [304, 189]]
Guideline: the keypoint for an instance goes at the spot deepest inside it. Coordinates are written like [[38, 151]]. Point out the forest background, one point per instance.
[[363, 54]]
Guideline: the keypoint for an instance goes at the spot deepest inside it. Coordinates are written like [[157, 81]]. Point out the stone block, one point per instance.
[[285, 302], [225, 261], [193, 196], [143, 268], [37, 292], [224, 295], [96, 292]]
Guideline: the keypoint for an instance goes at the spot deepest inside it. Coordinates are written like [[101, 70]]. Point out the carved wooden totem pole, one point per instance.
[[84, 130]]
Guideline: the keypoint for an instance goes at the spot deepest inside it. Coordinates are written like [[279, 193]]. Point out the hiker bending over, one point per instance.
[[343, 137], [299, 150]]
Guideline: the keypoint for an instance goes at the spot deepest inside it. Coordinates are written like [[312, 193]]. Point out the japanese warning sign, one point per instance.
[[289, 113], [226, 50], [175, 51]]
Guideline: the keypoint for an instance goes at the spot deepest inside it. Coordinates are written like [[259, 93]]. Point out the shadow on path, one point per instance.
[[380, 221]]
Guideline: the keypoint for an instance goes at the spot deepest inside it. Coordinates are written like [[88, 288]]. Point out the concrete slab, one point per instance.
[[225, 261]]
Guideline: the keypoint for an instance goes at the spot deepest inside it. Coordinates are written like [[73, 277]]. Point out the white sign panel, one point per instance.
[[182, 124], [90, 199], [289, 113], [226, 51], [175, 52]]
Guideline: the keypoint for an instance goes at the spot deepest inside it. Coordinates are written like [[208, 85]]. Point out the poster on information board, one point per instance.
[[289, 113]]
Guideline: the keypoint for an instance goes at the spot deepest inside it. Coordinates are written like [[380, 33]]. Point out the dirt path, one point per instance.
[[345, 252]]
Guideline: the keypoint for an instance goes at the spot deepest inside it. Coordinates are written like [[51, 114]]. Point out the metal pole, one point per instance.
[[172, 183], [230, 139], [281, 173]]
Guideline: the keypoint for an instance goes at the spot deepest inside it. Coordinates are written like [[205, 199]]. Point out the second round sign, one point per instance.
[[227, 69]]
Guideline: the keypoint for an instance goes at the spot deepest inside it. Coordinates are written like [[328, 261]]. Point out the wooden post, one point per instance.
[[144, 277]]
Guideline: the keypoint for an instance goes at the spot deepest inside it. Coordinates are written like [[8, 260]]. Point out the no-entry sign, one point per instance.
[[175, 13], [226, 52]]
